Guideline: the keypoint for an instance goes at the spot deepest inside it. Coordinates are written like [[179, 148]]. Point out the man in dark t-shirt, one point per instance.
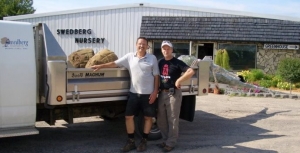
[[170, 71], [170, 96]]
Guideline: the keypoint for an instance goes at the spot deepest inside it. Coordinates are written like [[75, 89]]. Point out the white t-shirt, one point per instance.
[[141, 70]]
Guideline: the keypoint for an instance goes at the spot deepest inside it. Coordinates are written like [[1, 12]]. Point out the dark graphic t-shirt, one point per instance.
[[170, 71]]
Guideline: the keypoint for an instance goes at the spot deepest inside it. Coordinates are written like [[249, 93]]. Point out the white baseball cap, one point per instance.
[[166, 42]]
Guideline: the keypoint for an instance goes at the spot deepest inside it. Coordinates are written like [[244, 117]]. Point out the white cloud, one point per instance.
[[215, 4], [275, 7], [43, 6], [51, 6], [290, 9]]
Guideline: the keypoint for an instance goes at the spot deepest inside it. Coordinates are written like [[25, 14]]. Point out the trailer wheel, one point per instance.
[[154, 134], [187, 110]]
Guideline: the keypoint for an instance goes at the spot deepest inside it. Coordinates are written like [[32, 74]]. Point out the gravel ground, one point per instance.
[[222, 124]]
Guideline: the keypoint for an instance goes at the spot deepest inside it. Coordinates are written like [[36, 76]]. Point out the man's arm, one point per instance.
[[188, 74], [153, 96], [106, 65], [156, 74], [156, 83]]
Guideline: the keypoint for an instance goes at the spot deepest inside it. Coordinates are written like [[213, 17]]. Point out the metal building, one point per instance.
[[117, 27]]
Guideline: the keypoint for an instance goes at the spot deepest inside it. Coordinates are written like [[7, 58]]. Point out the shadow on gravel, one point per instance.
[[88, 137], [207, 134], [210, 133]]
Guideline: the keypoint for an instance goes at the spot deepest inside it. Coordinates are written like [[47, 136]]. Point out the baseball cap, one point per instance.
[[166, 42]]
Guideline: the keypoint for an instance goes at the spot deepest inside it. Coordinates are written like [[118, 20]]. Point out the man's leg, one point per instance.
[[173, 112], [131, 108], [148, 124], [162, 121], [129, 121], [149, 113]]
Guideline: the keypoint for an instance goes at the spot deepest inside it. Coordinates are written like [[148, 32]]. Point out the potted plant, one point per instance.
[[216, 89]]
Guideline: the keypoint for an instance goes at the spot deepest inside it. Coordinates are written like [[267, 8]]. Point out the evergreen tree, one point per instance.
[[15, 7], [222, 59]]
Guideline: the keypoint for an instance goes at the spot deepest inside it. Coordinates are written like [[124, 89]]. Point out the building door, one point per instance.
[[205, 49]]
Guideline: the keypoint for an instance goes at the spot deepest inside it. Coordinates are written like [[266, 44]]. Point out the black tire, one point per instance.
[[154, 134]]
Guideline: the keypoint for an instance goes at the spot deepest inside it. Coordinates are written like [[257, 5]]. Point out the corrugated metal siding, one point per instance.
[[119, 27]]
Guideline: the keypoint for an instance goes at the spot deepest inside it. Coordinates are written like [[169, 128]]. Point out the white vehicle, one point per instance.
[[36, 84]]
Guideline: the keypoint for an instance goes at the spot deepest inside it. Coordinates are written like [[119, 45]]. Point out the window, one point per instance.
[[178, 49], [241, 56]]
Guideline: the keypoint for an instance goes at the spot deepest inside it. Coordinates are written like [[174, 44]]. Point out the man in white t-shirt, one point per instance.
[[144, 72]]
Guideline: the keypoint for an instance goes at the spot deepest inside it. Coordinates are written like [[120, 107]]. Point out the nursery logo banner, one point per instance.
[[13, 44]]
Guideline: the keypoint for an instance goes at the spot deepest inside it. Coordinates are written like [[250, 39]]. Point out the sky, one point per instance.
[[290, 8]]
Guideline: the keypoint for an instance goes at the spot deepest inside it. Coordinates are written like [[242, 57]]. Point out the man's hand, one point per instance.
[[96, 67], [106, 65], [152, 97], [178, 84]]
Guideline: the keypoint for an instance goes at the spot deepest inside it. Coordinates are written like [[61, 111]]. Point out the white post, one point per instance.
[[190, 52]]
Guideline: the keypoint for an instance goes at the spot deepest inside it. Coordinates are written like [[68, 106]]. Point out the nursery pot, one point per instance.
[[216, 90]]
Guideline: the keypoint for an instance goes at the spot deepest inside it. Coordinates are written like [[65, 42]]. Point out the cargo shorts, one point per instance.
[[140, 102]]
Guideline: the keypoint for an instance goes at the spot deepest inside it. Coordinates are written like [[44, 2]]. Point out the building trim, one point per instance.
[[163, 6]]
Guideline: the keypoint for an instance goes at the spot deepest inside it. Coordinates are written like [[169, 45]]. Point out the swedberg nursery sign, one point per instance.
[[80, 32]]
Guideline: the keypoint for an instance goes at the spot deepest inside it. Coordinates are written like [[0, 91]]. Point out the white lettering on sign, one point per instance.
[[280, 46]]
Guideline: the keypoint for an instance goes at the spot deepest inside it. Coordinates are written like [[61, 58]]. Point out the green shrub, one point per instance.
[[275, 80], [297, 85], [285, 85], [268, 77], [254, 75], [265, 83], [244, 74], [289, 69]]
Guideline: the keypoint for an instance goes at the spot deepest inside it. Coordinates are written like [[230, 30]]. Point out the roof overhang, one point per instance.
[[244, 29]]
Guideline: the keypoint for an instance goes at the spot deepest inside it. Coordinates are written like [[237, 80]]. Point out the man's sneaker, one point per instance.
[[161, 145], [142, 146], [130, 145], [167, 148]]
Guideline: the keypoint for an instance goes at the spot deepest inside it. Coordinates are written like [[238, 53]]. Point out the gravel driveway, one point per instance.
[[222, 124]]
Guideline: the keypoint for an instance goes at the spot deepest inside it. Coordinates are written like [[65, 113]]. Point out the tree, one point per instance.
[[15, 7], [222, 59]]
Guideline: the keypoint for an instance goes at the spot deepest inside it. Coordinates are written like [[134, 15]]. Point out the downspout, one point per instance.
[[190, 52]]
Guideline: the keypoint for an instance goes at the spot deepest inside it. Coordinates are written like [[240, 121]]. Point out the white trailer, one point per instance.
[[36, 84]]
